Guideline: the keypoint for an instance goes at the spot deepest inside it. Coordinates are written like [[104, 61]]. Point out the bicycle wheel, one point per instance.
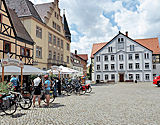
[[25, 102], [82, 91], [89, 90], [11, 109], [52, 97]]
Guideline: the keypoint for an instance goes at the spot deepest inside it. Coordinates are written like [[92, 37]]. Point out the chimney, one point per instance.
[[76, 52], [127, 33]]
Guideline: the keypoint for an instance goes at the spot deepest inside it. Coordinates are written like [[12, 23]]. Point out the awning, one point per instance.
[[27, 70]]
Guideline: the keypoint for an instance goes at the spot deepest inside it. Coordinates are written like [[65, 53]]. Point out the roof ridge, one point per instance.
[[146, 38], [44, 3]]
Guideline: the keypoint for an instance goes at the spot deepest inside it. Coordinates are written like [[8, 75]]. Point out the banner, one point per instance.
[[11, 62]]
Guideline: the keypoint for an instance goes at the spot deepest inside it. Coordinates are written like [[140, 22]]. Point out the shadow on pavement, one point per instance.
[[17, 115], [52, 105]]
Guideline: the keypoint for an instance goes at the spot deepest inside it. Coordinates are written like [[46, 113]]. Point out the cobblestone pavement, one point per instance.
[[121, 103]]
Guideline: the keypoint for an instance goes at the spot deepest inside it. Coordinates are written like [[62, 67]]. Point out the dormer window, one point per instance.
[[120, 43]]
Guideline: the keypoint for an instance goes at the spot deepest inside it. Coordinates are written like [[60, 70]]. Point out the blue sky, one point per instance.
[[95, 21]]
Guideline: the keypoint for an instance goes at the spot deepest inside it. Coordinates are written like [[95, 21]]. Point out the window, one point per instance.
[[61, 57], [130, 76], [154, 75], [0, 17], [28, 52], [112, 66], [49, 37], [50, 54], [39, 32], [98, 58], [68, 46], [106, 58], [61, 43], [147, 76], [98, 77], [58, 56], [137, 66], [154, 66], [121, 57], [113, 76], [106, 77], [54, 40], [58, 40], [106, 66], [23, 51], [120, 43], [136, 56], [130, 66], [146, 65], [68, 59], [112, 57], [130, 56], [121, 66], [7, 47], [146, 55], [38, 52], [137, 76], [55, 14], [54, 56], [98, 67], [109, 49], [131, 47]]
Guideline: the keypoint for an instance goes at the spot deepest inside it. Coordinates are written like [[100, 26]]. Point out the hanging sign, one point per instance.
[[11, 62]]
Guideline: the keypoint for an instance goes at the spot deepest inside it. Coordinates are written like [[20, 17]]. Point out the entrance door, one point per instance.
[[121, 77]]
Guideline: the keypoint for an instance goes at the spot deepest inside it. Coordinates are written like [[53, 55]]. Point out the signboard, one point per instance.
[[11, 62]]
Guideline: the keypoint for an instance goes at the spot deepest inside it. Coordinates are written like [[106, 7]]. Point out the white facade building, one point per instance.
[[123, 59]]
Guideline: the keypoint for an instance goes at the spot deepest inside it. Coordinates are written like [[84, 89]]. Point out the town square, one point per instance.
[[79, 62]]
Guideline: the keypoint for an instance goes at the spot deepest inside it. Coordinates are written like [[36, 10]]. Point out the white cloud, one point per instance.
[[87, 15]]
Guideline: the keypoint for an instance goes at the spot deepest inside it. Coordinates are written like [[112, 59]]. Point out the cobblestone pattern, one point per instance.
[[122, 103]]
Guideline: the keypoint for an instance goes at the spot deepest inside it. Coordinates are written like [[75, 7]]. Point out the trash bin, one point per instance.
[[135, 81]]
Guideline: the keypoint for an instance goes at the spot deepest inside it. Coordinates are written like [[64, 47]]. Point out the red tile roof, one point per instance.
[[96, 47], [150, 43], [83, 56]]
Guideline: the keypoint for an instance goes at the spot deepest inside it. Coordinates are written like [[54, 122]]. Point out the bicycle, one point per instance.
[[7, 104], [23, 101], [52, 97]]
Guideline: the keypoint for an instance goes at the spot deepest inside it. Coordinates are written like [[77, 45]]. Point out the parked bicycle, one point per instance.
[[7, 104], [23, 101]]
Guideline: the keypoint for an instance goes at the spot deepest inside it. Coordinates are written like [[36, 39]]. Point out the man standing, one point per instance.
[[59, 86], [37, 83], [47, 89], [15, 83]]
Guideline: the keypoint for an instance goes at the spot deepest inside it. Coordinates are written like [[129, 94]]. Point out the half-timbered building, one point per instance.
[[14, 38]]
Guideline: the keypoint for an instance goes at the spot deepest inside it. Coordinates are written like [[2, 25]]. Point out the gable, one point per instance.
[[6, 22], [127, 41], [50, 14]]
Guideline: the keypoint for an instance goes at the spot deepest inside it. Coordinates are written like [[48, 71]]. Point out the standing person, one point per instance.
[[59, 86], [15, 83], [55, 86], [37, 83], [47, 89]]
